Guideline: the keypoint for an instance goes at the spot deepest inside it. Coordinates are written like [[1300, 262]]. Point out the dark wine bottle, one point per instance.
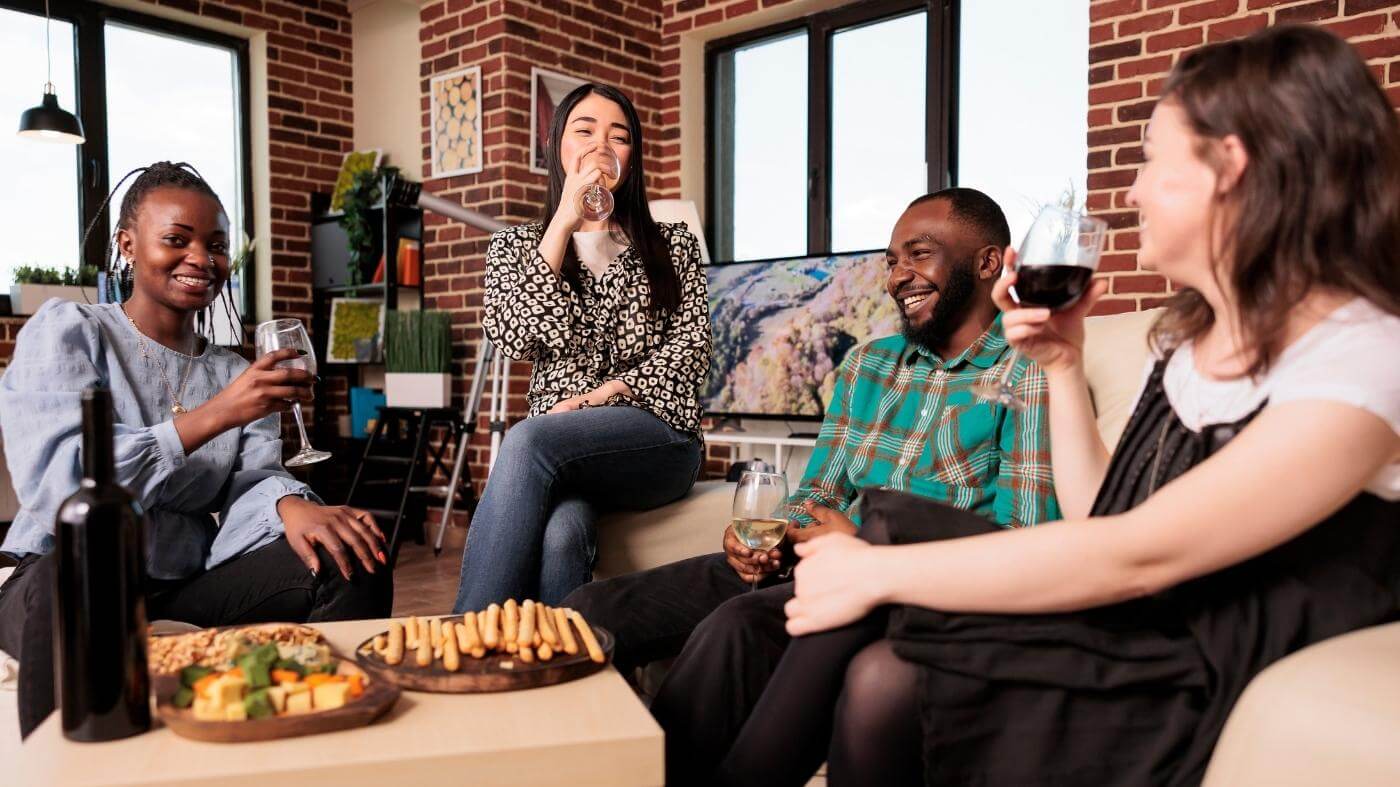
[[100, 632]]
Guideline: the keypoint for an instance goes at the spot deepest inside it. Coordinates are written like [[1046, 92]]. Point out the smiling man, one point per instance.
[[902, 416]]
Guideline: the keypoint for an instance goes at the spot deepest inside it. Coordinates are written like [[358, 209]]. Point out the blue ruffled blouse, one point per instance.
[[237, 476]]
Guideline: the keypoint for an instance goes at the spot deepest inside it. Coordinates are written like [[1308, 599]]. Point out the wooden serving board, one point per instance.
[[488, 674], [379, 696]]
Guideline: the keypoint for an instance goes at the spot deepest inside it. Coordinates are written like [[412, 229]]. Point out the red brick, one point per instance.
[[1108, 9], [1113, 93], [1350, 7], [1144, 24], [1308, 12], [1159, 64], [1115, 51], [1140, 283], [1112, 306], [1101, 33], [1111, 179], [1211, 9], [1360, 26], [1177, 39], [1234, 28]]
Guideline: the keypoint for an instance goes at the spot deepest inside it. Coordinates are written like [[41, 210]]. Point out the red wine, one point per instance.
[[100, 639], [1050, 286]]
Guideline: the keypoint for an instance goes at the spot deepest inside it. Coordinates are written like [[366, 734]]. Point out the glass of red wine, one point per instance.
[[1056, 261]]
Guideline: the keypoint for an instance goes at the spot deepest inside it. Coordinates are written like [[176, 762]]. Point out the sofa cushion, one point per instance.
[[635, 540], [1115, 354]]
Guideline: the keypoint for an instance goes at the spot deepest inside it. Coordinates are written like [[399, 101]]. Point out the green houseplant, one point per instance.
[[356, 204], [418, 359], [35, 284]]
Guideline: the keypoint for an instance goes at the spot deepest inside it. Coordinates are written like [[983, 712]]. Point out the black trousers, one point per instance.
[[271, 584], [726, 639]]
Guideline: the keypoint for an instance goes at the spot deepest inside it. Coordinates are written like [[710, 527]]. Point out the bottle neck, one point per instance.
[[97, 436]]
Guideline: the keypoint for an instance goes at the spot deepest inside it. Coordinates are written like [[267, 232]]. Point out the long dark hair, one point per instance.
[[1318, 204], [162, 174], [631, 213]]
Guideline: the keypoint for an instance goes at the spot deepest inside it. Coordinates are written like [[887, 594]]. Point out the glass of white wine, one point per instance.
[[760, 511]]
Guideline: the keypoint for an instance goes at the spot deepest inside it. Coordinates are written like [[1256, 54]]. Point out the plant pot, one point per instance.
[[27, 298], [408, 389]]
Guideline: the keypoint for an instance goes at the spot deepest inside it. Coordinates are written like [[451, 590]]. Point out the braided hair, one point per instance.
[[162, 174]]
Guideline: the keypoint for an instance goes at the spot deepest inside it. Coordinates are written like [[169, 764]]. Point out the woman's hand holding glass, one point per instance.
[[583, 173], [262, 389], [1054, 339]]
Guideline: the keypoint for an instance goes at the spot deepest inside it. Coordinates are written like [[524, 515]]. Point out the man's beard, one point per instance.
[[954, 303]]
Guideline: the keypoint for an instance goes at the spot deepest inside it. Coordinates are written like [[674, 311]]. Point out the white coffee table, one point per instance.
[[591, 731]]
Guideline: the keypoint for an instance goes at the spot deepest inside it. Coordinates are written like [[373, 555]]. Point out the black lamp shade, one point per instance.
[[50, 123]]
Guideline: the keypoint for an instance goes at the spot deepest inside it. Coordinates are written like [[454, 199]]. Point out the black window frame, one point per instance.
[[89, 20], [940, 106]]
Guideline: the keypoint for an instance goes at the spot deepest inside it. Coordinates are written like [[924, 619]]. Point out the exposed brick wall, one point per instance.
[[9, 331], [610, 41], [1133, 45]]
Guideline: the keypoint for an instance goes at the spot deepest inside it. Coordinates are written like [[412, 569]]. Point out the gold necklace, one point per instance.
[[177, 408]]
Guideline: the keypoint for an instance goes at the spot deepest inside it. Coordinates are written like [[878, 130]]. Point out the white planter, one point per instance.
[[27, 298], [404, 389]]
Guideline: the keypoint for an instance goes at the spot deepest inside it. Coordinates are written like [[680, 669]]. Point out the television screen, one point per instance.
[[781, 329]]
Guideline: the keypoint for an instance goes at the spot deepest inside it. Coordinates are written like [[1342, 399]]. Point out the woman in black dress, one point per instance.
[[1251, 508]]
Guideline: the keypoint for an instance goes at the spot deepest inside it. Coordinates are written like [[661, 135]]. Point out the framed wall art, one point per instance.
[[455, 107]]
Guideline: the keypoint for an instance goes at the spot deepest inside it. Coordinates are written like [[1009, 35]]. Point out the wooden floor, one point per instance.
[[427, 585]]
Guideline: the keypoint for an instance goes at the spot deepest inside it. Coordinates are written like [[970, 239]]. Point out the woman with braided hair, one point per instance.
[[197, 434]]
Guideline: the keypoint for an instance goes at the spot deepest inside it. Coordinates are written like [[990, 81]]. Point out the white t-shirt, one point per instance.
[[596, 250], [1352, 356]]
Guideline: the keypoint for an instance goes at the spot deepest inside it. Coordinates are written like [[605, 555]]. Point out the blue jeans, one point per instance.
[[532, 535]]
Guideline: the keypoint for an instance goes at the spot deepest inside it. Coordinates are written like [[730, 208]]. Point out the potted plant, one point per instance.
[[418, 359], [34, 285]]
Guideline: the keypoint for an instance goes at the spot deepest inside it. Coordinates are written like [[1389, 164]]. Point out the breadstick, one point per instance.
[[468, 638], [491, 632], [510, 626], [544, 621], [425, 645], [589, 641], [380, 644], [411, 633], [527, 625], [527, 654], [451, 661], [561, 621], [435, 631], [393, 653], [545, 652]]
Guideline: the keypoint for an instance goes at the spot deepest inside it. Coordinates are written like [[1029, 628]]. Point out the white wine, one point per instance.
[[761, 534]]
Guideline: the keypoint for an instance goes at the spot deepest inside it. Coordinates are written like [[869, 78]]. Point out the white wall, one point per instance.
[[385, 62]]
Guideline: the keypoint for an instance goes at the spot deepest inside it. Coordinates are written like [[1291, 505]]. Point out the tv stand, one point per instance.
[[779, 444]]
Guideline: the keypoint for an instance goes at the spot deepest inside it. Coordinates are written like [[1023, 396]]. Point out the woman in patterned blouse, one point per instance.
[[615, 318]]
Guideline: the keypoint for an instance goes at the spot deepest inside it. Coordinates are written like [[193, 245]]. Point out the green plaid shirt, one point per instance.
[[902, 418]]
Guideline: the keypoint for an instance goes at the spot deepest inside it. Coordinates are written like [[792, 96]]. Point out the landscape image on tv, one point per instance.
[[782, 328]]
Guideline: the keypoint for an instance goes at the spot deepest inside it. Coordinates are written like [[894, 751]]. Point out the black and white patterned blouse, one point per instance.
[[580, 338]]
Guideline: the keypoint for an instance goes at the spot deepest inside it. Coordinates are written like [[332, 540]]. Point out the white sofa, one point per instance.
[[1329, 714]]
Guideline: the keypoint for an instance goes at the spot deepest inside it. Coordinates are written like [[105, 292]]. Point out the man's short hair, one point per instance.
[[978, 211]]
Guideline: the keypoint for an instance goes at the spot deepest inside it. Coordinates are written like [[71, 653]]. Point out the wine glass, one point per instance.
[[276, 335], [1053, 268], [595, 202], [760, 519]]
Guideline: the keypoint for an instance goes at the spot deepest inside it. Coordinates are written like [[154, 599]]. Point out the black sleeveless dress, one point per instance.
[[1133, 693]]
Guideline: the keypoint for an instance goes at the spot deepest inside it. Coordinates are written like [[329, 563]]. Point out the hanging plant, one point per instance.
[[356, 205]]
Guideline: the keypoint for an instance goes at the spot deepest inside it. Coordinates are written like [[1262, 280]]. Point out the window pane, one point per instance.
[[878, 140], [761, 149], [39, 206], [1022, 132], [188, 112]]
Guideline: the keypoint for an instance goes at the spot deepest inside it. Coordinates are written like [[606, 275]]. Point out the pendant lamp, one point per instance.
[[48, 122]]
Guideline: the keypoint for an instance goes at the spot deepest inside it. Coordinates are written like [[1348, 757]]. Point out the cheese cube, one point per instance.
[[227, 690], [206, 710], [331, 695], [277, 695], [300, 702], [235, 712]]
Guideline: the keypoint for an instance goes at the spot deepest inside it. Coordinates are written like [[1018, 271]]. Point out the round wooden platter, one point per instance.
[[379, 696], [488, 674]]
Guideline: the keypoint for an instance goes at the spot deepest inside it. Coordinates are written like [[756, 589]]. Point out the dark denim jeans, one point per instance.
[[532, 535]]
